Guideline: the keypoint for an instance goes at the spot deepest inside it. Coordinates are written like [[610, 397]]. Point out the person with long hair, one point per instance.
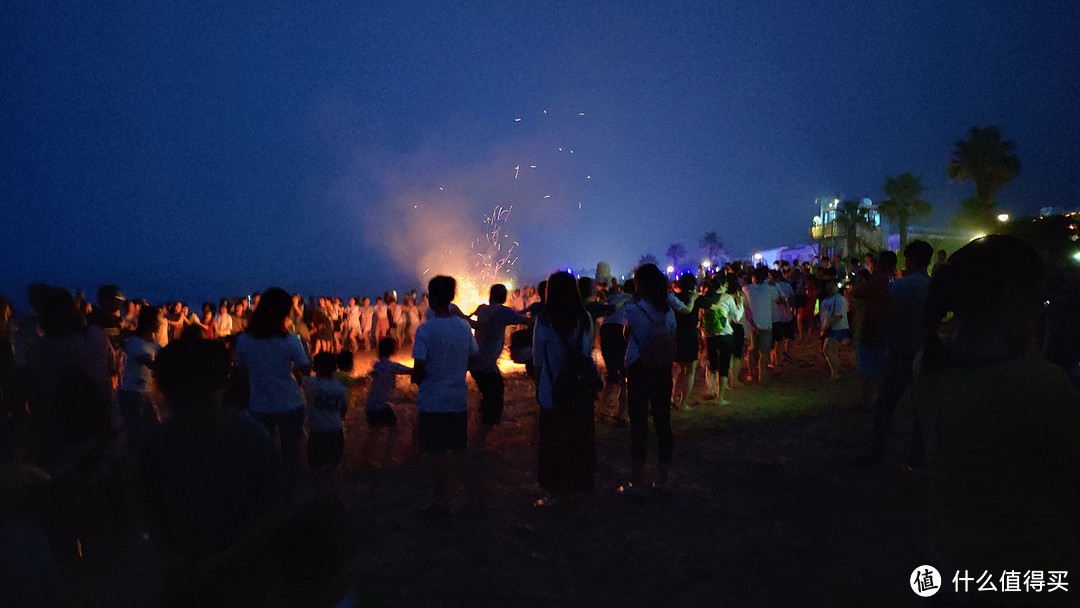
[[567, 443], [650, 323], [687, 337], [273, 358], [70, 412], [1001, 422], [613, 351], [135, 393], [721, 309]]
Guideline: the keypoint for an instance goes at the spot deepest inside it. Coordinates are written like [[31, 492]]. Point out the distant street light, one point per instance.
[[1003, 217]]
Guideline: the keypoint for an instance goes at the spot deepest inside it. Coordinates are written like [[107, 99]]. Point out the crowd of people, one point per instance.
[[214, 404]]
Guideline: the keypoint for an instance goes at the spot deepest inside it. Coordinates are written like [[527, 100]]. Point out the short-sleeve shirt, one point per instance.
[[491, 323], [444, 344], [327, 402], [269, 363], [834, 306], [907, 299], [760, 299], [642, 319], [383, 379], [137, 374], [782, 312]]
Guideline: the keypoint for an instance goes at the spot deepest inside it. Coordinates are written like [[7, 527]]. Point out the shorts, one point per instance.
[[686, 347], [442, 432], [719, 349], [325, 449], [613, 349], [783, 331], [738, 341], [380, 417], [761, 340], [836, 334]]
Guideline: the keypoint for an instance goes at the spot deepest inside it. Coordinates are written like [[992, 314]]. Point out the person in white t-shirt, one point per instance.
[[380, 320], [444, 343], [350, 327], [327, 403], [367, 312], [133, 396], [834, 324], [761, 296], [223, 322], [783, 322], [272, 357]]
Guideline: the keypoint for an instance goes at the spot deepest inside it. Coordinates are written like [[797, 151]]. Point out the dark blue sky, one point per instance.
[[204, 149]]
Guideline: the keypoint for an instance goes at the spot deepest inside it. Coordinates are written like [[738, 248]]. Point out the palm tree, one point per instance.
[[648, 258], [904, 203], [711, 242], [851, 214], [987, 161], [676, 252]]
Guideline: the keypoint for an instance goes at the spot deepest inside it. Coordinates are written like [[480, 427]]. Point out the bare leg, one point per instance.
[[688, 370], [620, 409], [831, 350], [735, 372], [720, 400], [712, 382], [388, 446]]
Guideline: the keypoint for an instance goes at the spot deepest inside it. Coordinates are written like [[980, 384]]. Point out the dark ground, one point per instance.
[[764, 512]]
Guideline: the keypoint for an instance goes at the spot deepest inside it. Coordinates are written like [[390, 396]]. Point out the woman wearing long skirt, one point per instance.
[[567, 445]]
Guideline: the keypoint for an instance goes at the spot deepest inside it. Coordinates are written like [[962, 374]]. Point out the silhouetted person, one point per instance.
[[1002, 423], [904, 338], [650, 353], [567, 443], [211, 479], [492, 319], [134, 395]]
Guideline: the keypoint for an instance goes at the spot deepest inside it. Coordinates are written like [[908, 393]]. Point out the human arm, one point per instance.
[[748, 311], [420, 348], [833, 314], [299, 357], [677, 305]]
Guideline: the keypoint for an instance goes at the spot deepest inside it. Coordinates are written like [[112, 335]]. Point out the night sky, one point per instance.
[[201, 149]]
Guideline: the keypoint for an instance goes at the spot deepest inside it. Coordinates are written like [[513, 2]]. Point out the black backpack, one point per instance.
[[578, 383]]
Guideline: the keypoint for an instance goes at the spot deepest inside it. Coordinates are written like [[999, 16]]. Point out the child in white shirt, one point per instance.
[[327, 402]]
